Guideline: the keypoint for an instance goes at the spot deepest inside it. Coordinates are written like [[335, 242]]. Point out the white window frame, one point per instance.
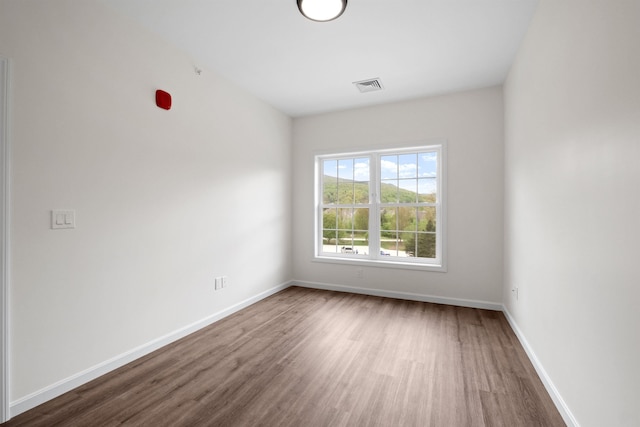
[[374, 258]]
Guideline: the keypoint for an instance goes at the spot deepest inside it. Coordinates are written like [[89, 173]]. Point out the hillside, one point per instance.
[[343, 191]]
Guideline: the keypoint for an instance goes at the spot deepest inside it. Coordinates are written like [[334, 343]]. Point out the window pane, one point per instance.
[[361, 169], [421, 245], [388, 167], [361, 193], [329, 181], [407, 166], [387, 222], [330, 168], [345, 169], [409, 243], [329, 190], [427, 165], [407, 219], [361, 220], [389, 191], [329, 232], [393, 245], [331, 249], [427, 188], [345, 219], [345, 192], [329, 219], [426, 219], [389, 244], [361, 178], [329, 238], [408, 191], [426, 245]]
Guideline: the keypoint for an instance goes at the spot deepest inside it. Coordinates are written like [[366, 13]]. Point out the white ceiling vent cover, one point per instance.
[[369, 85]]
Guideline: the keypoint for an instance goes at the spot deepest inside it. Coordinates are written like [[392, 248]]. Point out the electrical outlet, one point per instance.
[[515, 292], [217, 283], [224, 281]]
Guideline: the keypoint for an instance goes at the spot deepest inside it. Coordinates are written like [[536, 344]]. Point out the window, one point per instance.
[[383, 207]]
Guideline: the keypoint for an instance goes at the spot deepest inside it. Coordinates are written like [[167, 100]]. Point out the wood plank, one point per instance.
[[320, 358]]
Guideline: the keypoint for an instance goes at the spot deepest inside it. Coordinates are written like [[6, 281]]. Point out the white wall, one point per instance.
[[572, 203], [165, 200], [472, 123]]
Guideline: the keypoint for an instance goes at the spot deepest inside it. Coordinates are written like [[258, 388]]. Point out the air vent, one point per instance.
[[369, 85]]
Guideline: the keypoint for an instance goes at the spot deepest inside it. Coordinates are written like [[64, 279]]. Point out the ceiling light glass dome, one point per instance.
[[322, 10]]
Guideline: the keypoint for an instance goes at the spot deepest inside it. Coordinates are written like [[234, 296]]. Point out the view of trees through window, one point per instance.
[[406, 207]]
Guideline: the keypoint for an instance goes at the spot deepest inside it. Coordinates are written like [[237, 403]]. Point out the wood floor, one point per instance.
[[308, 357]]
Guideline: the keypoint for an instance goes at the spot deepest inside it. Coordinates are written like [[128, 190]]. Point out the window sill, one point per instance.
[[381, 264]]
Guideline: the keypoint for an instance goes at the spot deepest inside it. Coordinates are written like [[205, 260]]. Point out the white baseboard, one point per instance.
[[566, 414], [400, 295], [34, 399]]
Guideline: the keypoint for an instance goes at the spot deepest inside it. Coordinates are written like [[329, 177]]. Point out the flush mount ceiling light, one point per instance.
[[322, 10]]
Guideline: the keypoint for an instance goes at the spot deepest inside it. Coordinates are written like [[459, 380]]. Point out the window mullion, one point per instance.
[[374, 214]]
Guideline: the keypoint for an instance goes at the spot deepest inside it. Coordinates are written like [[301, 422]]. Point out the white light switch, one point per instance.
[[63, 219]]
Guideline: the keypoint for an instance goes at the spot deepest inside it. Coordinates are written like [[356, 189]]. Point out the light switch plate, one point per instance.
[[63, 218]]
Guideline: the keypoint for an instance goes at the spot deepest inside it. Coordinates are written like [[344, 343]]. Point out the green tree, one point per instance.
[[406, 218], [329, 224], [387, 222], [361, 220], [426, 242]]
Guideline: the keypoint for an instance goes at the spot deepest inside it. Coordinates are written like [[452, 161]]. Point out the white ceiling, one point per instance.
[[416, 47]]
